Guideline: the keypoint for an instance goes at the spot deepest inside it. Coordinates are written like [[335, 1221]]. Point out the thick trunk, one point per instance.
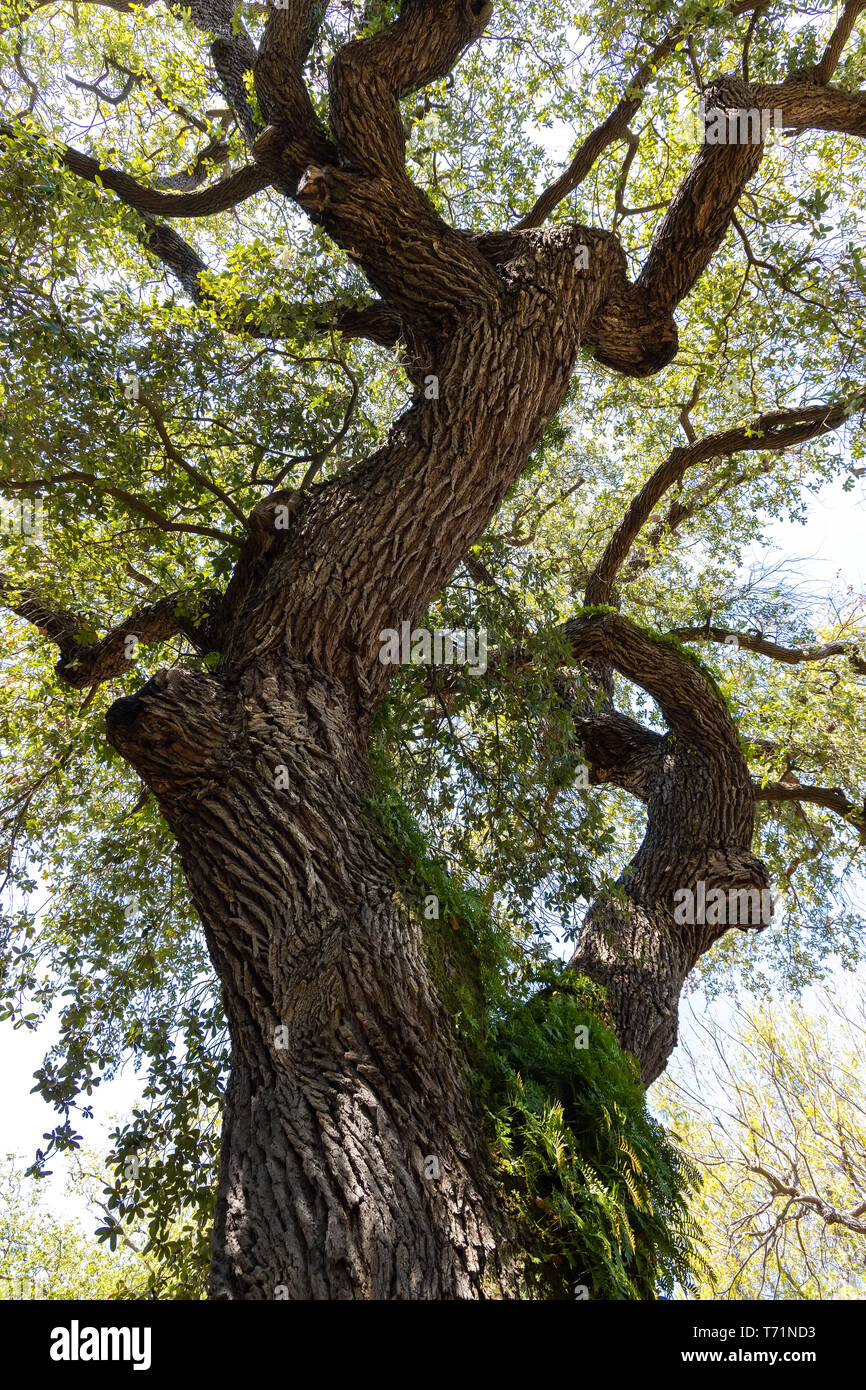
[[351, 1162]]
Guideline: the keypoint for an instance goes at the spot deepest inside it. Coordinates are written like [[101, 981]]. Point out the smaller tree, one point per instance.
[[771, 1110], [43, 1256], [48, 1257]]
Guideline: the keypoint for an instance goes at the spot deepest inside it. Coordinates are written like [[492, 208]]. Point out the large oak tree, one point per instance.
[[207, 388]]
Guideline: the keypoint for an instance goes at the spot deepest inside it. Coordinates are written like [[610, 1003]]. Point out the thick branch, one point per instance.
[[376, 321], [698, 218], [838, 39], [614, 127], [232, 52], [695, 224], [358, 188], [620, 751], [175, 253], [121, 6], [218, 197], [83, 664], [191, 178], [368, 77], [424, 269], [805, 105], [700, 820], [832, 798], [690, 704], [280, 86]]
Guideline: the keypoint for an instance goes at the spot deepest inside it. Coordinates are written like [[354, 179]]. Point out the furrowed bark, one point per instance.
[[355, 561], [323, 1190], [351, 1165]]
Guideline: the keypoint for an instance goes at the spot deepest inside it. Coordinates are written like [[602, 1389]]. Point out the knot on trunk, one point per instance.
[[632, 335], [620, 750], [172, 731]]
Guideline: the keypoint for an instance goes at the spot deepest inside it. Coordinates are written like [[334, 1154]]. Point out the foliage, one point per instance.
[[600, 1189], [599, 1192], [96, 925], [47, 1258]]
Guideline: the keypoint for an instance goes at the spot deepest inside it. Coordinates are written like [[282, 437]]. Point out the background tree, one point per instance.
[[393, 367], [45, 1257], [774, 1119]]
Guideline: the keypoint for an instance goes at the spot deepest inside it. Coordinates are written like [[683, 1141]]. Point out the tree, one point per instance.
[[775, 1122], [230, 474], [43, 1257]]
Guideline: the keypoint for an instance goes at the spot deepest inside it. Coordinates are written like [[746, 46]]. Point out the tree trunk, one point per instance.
[[352, 1159], [699, 799], [352, 1163]]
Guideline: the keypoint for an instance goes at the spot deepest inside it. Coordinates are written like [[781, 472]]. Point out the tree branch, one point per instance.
[[771, 432], [358, 188], [751, 642], [129, 500], [805, 105], [191, 178], [120, 6], [830, 1215], [169, 246], [832, 798], [613, 128], [618, 750], [83, 664], [232, 52], [375, 321], [218, 197], [368, 77], [280, 87], [691, 705], [838, 39], [700, 212]]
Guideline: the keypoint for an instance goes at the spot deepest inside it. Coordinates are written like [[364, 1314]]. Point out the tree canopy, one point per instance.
[[187, 338]]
